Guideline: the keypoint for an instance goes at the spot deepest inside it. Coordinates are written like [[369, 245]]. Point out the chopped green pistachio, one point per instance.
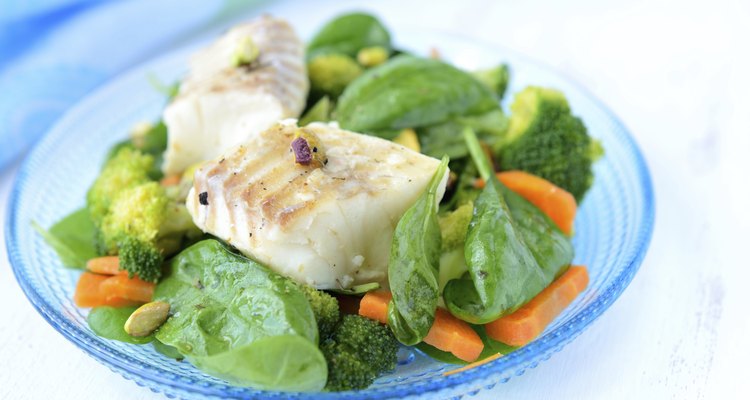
[[245, 53], [408, 138], [372, 56], [330, 73], [147, 318]]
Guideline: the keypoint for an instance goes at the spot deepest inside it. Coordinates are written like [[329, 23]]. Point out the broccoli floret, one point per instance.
[[126, 169], [454, 225], [326, 309], [140, 258], [142, 226], [495, 78], [545, 139], [358, 352], [138, 212], [331, 73]]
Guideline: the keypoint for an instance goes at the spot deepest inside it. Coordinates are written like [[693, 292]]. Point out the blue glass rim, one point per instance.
[[157, 380]]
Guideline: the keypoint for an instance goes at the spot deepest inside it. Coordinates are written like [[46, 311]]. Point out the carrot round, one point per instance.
[[374, 305], [447, 333], [559, 205], [528, 322], [450, 334], [107, 265], [89, 293], [133, 289]]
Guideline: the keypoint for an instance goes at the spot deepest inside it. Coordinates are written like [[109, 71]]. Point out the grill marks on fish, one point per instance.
[[219, 105], [279, 69], [310, 222]]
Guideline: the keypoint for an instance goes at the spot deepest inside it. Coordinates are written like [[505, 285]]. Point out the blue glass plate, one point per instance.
[[613, 229]]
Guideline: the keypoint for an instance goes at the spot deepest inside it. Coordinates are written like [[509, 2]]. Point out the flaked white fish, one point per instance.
[[219, 104], [328, 225]]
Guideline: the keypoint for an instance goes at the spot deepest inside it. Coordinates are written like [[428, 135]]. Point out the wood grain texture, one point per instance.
[[676, 73]]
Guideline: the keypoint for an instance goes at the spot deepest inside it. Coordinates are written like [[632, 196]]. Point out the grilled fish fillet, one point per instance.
[[327, 225], [220, 105]]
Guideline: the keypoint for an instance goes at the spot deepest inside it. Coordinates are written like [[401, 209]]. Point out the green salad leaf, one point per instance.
[[235, 318], [348, 34], [73, 238], [413, 266], [446, 139], [284, 362], [411, 92], [511, 257], [109, 322], [319, 112], [167, 350]]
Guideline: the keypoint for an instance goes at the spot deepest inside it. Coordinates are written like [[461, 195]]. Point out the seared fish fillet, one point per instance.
[[328, 224], [220, 105]]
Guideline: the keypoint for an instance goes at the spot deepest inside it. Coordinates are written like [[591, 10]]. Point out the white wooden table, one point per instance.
[[678, 75]]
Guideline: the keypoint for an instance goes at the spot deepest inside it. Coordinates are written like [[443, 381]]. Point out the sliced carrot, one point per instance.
[[89, 293], [450, 334], [171, 180], [447, 333], [133, 289], [528, 322], [107, 265], [374, 305], [559, 205]]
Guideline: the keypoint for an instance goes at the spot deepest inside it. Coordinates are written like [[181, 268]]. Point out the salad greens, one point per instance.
[[487, 251], [410, 92], [413, 266], [441, 139], [72, 238], [505, 272], [236, 318], [282, 362], [167, 350], [108, 322], [348, 34]]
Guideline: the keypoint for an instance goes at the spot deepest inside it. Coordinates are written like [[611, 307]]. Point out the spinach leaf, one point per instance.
[[511, 256], [73, 238], [284, 362], [411, 92], [225, 306], [358, 290], [446, 138], [347, 34], [551, 248], [319, 112], [167, 350], [153, 142], [109, 322], [413, 266], [439, 355]]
